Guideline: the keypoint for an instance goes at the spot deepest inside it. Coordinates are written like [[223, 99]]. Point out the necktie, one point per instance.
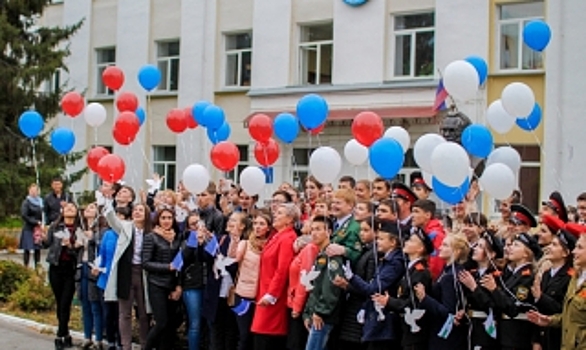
[[336, 226]]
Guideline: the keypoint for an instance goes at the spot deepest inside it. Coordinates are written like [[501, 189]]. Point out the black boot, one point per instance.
[[67, 342], [59, 344]]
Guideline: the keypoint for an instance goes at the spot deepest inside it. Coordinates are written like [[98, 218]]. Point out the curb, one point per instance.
[[39, 327]]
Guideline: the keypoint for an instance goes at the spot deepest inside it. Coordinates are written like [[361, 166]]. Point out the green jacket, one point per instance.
[[324, 299], [349, 236], [572, 320]]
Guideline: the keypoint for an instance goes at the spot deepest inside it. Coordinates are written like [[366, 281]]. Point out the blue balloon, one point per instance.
[[450, 195], [198, 108], [31, 124], [149, 77], [312, 111], [480, 65], [536, 35], [286, 127], [220, 134], [213, 117], [477, 140], [141, 114], [62, 140], [532, 121], [386, 157]]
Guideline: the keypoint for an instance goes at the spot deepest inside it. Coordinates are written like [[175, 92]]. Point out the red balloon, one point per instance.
[[317, 130], [111, 168], [367, 127], [113, 78], [121, 139], [266, 154], [261, 127], [177, 120], [126, 127], [94, 156], [225, 155], [72, 104], [191, 123], [127, 102]]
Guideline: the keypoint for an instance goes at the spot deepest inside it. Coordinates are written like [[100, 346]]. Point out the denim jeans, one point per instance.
[[317, 340], [193, 300], [91, 310]]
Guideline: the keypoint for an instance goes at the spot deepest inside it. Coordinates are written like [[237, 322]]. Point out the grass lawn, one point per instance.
[[46, 317]]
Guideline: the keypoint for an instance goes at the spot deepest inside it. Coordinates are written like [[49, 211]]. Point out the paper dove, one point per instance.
[[412, 316], [220, 265], [308, 277], [360, 316], [63, 234], [180, 214], [347, 271], [379, 310], [154, 185], [96, 264]]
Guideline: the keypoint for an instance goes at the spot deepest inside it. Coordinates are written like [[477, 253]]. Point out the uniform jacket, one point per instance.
[[325, 297], [418, 273], [390, 270], [445, 299], [348, 235], [553, 290], [513, 331], [275, 260], [572, 320], [479, 302]]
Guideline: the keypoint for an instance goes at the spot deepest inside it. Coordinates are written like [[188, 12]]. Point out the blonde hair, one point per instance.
[[459, 243], [346, 195]]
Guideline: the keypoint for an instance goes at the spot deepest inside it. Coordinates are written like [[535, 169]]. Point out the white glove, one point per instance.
[[347, 271]]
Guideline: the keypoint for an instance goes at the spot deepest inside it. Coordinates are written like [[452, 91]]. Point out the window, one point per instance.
[[414, 45], [316, 49], [53, 84], [168, 63], [300, 161], [234, 175], [513, 53], [164, 164], [95, 178], [238, 59], [104, 58]]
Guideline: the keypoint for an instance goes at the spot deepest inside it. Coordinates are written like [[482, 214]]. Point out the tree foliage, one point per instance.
[[31, 59]]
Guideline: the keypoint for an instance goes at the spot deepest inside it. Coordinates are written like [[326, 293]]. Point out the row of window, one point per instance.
[[413, 44]]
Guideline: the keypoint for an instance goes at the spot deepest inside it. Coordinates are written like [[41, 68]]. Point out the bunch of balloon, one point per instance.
[[213, 119]]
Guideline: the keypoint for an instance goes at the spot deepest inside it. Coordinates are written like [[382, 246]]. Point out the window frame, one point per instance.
[[413, 41], [168, 59], [165, 164], [238, 53], [101, 88], [302, 64], [521, 22]]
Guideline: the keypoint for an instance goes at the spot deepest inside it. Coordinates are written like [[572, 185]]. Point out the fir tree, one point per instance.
[[31, 58]]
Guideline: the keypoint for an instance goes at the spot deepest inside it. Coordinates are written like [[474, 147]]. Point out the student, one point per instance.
[[417, 248], [480, 304], [362, 190], [422, 218], [322, 310], [380, 333], [386, 210], [514, 298], [363, 210], [474, 228], [446, 300], [418, 185]]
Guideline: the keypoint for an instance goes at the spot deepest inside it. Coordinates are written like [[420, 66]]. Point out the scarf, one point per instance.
[[38, 201], [168, 235]]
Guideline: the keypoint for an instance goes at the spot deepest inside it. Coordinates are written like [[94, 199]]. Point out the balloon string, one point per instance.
[[144, 156], [95, 136], [68, 175], [37, 177]]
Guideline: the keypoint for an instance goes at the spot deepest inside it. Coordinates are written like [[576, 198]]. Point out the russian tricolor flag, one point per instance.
[[441, 94]]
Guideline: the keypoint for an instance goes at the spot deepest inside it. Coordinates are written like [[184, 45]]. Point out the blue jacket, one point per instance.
[[446, 296], [390, 270], [106, 253]]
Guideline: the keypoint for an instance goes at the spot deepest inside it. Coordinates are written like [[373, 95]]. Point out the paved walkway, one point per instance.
[[17, 336]]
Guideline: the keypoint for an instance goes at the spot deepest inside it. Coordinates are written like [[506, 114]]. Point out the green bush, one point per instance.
[[33, 294], [11, 275]]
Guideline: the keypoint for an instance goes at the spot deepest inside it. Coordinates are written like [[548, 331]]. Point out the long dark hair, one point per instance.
[[148, 223], [174, 226], [61, 219]]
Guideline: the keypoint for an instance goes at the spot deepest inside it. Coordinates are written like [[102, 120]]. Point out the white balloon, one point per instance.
[[95, 114], [196, 178], [450, 164], [400, 135], [461, 80], [428, 178], [498, 118], [252, 180], [325, 164], [355, 153], [498, 180], [506, 155], [423, 149], [518, 99]]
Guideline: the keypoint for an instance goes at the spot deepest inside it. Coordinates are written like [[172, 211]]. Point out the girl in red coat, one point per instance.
[[270, 319]]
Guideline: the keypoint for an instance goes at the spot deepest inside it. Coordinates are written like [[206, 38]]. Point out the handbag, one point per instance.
[[38, 235], [231, 297]]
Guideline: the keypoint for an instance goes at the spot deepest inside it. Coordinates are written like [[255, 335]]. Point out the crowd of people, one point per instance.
[[370, 264]]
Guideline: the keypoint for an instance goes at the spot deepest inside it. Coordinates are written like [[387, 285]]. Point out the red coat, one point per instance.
[[435, 230], [273, 278]]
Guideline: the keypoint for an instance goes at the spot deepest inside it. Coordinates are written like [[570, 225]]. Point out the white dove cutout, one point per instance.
[[379, 310], [180, 214], [308, 277], [360, 316], [96, 264], [220, 264], [63, 234], [411, 318]]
